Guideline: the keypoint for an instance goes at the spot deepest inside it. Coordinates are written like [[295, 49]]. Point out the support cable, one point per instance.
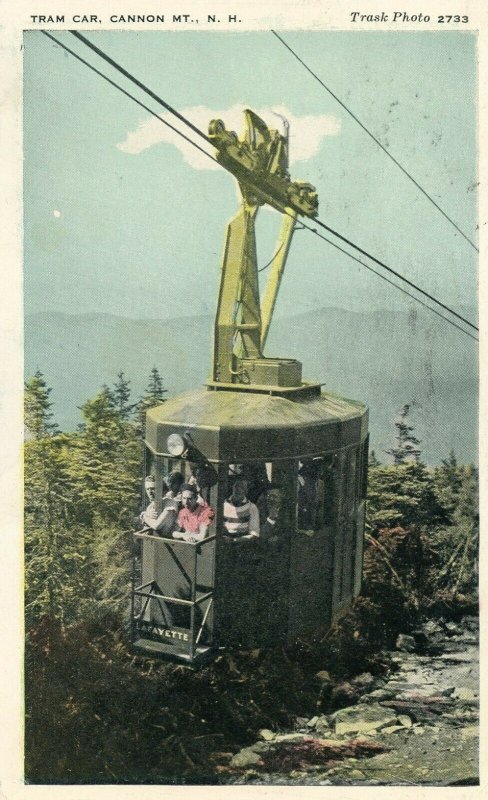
[[373, 137], [127, 94], [140, 84]]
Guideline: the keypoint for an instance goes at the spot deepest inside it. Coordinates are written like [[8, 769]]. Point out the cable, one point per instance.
[[261, 269], [384, 278], [371, 135], [393, 272], [127, 94], [139, 84], [318, 222]]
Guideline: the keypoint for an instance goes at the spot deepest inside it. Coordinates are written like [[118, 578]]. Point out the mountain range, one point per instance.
[[385, 358]]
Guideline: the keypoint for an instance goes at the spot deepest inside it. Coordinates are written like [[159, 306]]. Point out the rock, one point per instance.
[[452, 629], [245, 758], [470, 732], [356, 774], [312, 722], [377, 695], [465, 695], [364, 681], [392, 729], [344, 694], [261, 747], [292, 737], [363, 718], [431, 627], [266, 734], [323, 676], [322, 727], [405, 721], [405, 642]]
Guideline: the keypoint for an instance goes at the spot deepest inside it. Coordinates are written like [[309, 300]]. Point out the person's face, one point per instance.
[[151, 492], [189, 499], [239, 491]]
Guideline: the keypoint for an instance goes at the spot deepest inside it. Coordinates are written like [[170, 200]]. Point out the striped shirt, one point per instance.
[[241, 520]]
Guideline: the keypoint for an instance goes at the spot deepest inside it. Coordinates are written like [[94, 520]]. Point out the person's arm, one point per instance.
[[253, 524], [154, 522]]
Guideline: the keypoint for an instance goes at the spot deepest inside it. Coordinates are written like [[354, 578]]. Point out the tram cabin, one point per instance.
[[299, 461]]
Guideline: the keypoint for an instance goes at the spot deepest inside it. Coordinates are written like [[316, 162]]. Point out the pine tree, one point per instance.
[[406, 448], [106, 463], [456, 546], [402, 496], [154, 395], [121, 396], [37, 408], [447, 482], [372, 460], [56, 553]]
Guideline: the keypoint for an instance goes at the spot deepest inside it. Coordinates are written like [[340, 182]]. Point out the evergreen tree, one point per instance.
[[406, 448], [37, 408], [457, 545], [154, 395], [402, 496], [56, 554], [106, 463], [121, 397], [447, 483], [372, 460]]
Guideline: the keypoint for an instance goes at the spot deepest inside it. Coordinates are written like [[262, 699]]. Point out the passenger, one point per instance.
[[150, 513], [173, 483], [241, 517], [195, 516], [203, 475], [255, 476], [269, 529], [165, 522]]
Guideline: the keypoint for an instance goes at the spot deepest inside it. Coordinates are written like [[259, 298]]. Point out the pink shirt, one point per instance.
[[190, 521]]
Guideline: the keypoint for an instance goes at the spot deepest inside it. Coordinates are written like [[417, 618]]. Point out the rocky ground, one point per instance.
[[416, 726]]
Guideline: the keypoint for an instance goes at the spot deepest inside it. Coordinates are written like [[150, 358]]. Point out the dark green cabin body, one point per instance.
[[196, 598]]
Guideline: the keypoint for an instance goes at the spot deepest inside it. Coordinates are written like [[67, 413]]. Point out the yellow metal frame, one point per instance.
[[259, 161]]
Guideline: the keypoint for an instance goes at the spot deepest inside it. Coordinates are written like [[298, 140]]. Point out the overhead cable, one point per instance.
[[373, 137], [139, 84], [127, 94]]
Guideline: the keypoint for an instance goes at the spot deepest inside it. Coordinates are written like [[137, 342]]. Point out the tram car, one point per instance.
[[255, 484]]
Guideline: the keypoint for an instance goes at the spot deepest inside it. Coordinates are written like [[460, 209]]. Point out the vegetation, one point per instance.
[[97, 713]]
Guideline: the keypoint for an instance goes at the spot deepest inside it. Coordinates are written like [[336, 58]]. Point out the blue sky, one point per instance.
[[139, 233]]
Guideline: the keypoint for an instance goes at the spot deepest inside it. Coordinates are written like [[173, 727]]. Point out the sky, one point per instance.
[[122, 218]]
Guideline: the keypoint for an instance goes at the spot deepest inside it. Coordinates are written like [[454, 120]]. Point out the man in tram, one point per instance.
[[241, 517], [164, 522], [195, 516]]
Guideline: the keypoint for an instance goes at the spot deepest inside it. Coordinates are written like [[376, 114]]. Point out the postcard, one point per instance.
[[240, 399]]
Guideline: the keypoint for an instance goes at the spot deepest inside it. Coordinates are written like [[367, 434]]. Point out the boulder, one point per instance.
[[344, 694], [363, 718], [247, 757], [364, 681], [405, 642]]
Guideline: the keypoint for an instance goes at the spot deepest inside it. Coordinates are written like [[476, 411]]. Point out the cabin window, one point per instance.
[[316, 488]]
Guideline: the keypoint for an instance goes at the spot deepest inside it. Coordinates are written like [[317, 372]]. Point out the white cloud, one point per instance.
[[306, 132]]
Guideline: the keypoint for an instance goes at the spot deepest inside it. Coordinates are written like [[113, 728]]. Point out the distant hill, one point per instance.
[[384, 358]]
